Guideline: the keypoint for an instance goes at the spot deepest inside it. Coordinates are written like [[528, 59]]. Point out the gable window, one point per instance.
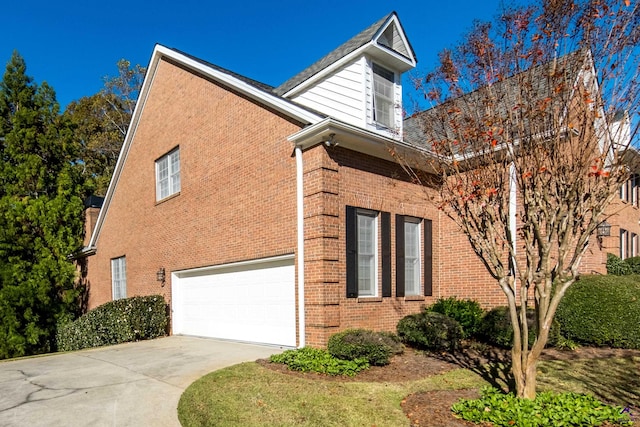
[[168, 174], [119, 278], [383, 95], [412, 263], [363, 246]]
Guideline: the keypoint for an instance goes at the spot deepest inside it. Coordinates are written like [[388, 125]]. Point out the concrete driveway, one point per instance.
[[135, 384]]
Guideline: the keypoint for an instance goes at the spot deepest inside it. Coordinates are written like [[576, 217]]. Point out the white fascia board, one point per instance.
[[272, 101], [90, 249]]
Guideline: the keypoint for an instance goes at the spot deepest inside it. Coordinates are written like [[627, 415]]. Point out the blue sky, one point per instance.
[[73, 45]]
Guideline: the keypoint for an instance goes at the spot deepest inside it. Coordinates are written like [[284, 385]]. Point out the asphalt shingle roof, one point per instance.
[[356, 42]]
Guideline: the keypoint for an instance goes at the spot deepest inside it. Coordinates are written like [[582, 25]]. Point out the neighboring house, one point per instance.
[[277, 215]]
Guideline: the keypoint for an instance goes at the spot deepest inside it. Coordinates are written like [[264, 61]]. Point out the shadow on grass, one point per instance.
[[491, 363]]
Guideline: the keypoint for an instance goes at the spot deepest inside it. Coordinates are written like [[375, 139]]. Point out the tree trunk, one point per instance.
[[524, 373]]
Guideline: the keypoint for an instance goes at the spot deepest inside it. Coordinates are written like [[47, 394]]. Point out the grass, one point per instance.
[[248, 394]]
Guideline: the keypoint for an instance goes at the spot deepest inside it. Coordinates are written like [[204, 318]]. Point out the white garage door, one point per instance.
[[252, 301]]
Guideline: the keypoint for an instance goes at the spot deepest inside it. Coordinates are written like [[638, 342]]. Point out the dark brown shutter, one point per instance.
[[352, 252], [385, 218], [399, 255], [428, 258]]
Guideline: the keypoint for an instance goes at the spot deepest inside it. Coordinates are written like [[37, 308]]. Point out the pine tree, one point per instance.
[[40, 214]]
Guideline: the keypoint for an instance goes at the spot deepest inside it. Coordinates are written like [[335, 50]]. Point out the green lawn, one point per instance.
[[248, 394]]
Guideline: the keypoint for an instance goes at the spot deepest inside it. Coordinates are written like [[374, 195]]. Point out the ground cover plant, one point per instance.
[[547, 409], [308, 359]]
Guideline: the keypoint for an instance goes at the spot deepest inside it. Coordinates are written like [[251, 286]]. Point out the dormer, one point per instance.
[[360, 82]]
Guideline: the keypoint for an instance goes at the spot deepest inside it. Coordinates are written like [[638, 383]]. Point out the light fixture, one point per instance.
[[160, 275], [603, 230]]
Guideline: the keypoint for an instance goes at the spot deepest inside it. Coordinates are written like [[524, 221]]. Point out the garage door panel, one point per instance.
[[254, 303]]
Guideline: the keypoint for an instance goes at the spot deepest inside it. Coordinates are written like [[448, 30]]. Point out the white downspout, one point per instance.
[[300, 242], [513, 207]]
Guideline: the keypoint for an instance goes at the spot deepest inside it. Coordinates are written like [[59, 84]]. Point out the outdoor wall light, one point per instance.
[[603, 230], [160, 275]]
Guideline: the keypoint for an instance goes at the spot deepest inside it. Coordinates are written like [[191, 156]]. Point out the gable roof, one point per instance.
[[378, 35]]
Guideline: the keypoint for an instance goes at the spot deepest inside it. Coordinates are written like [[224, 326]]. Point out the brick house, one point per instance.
[[277, 214]]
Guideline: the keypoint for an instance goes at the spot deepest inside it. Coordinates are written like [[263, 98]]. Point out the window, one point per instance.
[[168, 174], [119, 278], [413, 256], [624, 249], [363, 249], [367, 254], [629, 190], [634, 245], [383, 96]]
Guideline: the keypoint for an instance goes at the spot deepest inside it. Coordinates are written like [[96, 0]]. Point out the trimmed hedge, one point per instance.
[[602, 311], [622, 267], [430, 330], [375, 347], [496, 327], [467, 312], [123, 320]]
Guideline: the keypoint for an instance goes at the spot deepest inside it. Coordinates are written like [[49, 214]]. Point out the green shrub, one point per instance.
[[123, 320], [308, 359], [376, 347], [617, 266], [602, 311], [496, 327], [467, 312], [430, 330], [633, 264], [547, 409]]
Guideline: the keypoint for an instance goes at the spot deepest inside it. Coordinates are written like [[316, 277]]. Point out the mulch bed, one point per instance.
[[433, 408]]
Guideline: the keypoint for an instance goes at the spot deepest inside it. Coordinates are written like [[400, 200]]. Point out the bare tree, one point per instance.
[[532, 116]]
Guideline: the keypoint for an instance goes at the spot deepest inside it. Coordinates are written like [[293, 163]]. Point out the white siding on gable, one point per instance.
[[340, 95]]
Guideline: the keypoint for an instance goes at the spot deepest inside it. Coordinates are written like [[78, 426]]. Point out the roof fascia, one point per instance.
[[160, 52]]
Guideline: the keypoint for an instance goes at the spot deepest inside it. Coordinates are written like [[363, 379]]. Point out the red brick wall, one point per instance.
[[237, 198], [334, 178]]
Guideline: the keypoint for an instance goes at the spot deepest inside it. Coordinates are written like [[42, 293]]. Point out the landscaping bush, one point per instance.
[[376, 347], [602, 311], [617, 266], [123, 320], [430, 330], [496, 328], [547, 409], [467, 312], [308, 359]]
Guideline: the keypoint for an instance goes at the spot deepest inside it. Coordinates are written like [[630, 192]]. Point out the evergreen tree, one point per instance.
[[40, 214]]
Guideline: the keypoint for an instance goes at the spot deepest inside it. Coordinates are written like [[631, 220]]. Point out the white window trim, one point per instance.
[[119, 278], [173, 179], [417, 276], [623, 244], [373, 291]]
